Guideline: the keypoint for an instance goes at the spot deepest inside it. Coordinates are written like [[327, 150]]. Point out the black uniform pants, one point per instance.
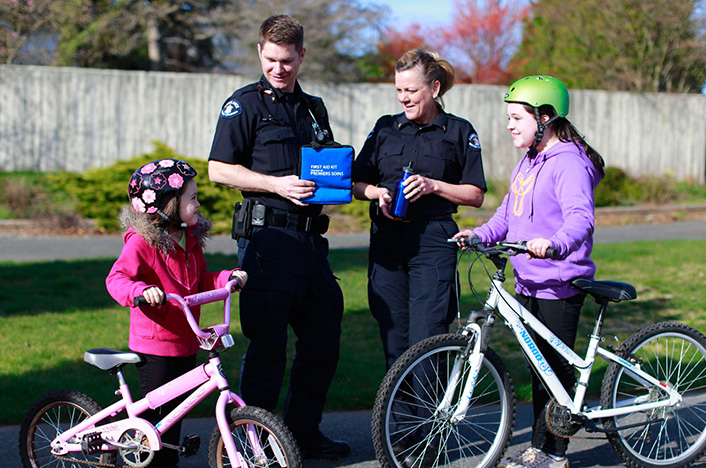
[[411, 281], [561, 316], [152, 374], [290, 284]]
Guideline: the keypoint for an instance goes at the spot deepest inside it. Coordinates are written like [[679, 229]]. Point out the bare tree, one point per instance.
[[25, 27], [336, 32], [207, 35], [142, 34]]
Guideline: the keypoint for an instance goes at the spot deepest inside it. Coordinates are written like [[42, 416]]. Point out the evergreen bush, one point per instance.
[[99, 193]]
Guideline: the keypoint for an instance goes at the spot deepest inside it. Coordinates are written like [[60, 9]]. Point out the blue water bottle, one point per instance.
[[399, 202]]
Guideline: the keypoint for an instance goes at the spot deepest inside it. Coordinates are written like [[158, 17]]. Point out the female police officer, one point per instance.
[[411, 270]]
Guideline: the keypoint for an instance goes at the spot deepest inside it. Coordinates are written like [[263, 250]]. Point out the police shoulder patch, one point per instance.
[[474, 141], [231, 109]]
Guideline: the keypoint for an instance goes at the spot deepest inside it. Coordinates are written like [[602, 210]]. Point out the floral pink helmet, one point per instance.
[[149, 185]]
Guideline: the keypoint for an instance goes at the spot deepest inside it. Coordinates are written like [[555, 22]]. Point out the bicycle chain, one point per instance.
[[86, 462]]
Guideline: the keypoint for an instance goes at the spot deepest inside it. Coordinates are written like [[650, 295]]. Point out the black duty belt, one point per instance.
[[310, 224]]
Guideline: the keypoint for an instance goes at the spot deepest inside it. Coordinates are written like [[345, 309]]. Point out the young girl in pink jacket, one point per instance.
[[163, 253]]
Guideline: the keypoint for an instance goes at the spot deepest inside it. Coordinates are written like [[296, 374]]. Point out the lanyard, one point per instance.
[[320, 134]]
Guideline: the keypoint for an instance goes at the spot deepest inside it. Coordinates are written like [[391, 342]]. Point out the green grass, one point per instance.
[[51, 312]]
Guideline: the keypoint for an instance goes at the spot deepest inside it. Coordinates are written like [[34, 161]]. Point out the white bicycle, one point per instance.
[[449, 400]]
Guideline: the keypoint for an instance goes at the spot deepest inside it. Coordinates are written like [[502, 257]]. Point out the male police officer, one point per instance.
[[256, 150]]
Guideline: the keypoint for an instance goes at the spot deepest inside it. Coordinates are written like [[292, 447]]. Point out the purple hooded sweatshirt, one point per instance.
[[551, 196]]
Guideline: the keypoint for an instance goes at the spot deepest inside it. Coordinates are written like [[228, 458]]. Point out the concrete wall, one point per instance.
[[73, 119]]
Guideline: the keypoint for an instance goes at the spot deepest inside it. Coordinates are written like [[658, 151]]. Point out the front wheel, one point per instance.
[[261, 438], [667, 437], [410, 431], [51, 415]]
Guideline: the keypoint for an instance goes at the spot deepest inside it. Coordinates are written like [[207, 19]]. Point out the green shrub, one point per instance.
[[617, 188], [99, 193], [611, 190], [656, 190], [23, 195]]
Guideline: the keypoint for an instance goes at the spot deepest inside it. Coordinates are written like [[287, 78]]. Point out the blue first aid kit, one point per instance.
[[330, 167]]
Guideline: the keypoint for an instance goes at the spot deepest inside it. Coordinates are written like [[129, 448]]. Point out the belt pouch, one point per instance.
[[242, 220], [322, 223]]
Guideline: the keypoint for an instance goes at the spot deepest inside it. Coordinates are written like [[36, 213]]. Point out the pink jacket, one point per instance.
[[151, 258]]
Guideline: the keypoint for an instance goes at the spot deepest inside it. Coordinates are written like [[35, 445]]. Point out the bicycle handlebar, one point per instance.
[[207, 297], [497, 248]]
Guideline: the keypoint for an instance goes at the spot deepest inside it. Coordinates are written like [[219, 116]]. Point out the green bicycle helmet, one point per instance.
[[536, 91], [540, 90]]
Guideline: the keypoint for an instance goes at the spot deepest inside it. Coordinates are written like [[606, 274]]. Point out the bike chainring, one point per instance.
[[560, 421], [140, 454]]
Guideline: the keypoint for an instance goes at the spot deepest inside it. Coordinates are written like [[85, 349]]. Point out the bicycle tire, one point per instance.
[[415, 384], [675, 354], [281, 450], [48, 417]]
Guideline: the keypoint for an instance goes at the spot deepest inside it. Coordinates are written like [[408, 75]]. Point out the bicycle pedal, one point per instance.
[[190, 445], [91, 443]]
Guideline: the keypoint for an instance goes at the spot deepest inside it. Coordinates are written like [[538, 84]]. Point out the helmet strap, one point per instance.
[[177, 224], [541, 126]]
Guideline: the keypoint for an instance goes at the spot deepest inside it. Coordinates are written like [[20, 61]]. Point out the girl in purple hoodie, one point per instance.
[[163, 253], [550, 204]]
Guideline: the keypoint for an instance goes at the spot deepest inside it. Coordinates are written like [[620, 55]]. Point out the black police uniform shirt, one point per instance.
[[448, 149], [263, 129]]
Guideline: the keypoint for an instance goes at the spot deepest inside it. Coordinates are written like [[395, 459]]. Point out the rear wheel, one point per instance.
[[260, 437], [50, 416], [667, 437]]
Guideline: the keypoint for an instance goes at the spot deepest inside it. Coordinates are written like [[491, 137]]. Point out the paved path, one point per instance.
[[26, 248], [353, 426]]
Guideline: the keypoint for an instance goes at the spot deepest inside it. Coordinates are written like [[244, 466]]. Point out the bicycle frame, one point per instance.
[[518, 319], [203, 380]]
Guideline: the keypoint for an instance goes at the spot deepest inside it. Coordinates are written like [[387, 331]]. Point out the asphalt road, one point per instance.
[[351, 426], [354, 427], [26, 248]]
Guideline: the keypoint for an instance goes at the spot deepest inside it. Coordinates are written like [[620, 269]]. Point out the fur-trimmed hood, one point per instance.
[[157, 237]]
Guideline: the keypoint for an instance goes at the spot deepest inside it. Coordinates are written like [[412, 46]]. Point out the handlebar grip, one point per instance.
[[140, 301], [238, 280], [467, 241], [551, 253]]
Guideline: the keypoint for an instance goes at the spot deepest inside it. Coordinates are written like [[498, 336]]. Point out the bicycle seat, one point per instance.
[[106, 358], [613, 290]]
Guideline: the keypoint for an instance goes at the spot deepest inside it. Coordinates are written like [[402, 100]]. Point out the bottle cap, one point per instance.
[[408, 168]]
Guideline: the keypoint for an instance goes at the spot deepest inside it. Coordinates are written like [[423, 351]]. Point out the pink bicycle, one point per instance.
[[67, 428]]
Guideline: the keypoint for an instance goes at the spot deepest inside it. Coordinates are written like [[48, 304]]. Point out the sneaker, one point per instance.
[[533, 458], [522, 459], [553, 462]]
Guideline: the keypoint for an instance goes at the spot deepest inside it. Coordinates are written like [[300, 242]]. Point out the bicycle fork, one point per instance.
[[234, 454], [226, 397], [473, 357]]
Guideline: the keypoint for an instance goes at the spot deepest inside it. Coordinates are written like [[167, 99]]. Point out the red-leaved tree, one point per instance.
[[482, 38], [381, 65]]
